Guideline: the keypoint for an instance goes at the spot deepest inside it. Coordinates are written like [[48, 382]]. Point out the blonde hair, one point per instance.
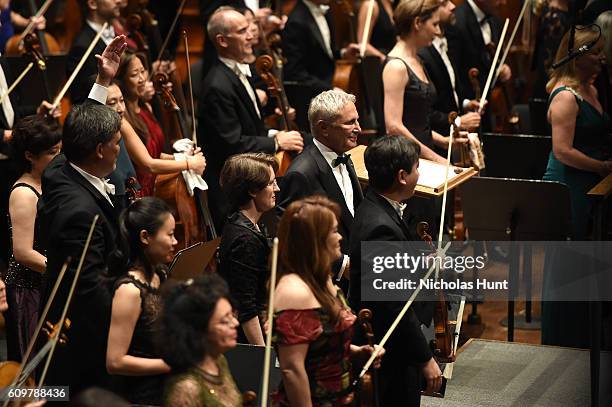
[[408, 10], [567, 73]]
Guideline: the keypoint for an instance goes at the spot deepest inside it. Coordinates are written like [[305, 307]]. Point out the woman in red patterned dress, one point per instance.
[[313, 325]]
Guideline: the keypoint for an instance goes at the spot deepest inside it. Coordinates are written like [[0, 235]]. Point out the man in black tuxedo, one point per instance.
[[392, 169], [229, 111], [475, 30], [74, 191], [96, 12], [310, 48], [444, 76], [324, 168]]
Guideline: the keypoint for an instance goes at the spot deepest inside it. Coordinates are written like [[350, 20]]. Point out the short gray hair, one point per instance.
[[217, 23], [604, 21], [326, 106]]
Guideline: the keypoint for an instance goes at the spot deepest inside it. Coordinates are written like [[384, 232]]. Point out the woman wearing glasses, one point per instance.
[[197, 327], [249, 184]]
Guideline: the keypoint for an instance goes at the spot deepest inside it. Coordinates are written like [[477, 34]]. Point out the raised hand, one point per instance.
[[108, 62]]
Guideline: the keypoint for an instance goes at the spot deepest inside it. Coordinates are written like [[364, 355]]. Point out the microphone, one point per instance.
[[574, 54]]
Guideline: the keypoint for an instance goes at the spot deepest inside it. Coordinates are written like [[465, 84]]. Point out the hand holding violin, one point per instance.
[[351, 51], [470, 121], [108, 62], [290, 141]]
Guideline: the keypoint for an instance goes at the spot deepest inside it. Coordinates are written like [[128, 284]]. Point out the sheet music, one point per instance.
[[431, 174]]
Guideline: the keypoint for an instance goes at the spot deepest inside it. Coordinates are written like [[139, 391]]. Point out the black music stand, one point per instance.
[[193, 260], [246, 364], [501, 153], [514, 210]]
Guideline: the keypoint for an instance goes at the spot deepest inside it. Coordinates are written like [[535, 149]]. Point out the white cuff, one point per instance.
[[98, 93], [465, 104], [345, 260], [272, 132]]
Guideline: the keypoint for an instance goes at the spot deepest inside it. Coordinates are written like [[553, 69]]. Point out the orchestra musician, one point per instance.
[[309, 46], [313, 324], [96, 13], [137, 269], [392, 164], [442, 73], [198, 326], [36, 141], [249, 183], [134, 150], [476, 27], [324, 168], [11, 20], [229, 112], [74, 191], [382, 35]]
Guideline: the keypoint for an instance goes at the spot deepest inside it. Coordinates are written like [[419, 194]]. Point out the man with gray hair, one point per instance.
[[229, 111], [324, 168]]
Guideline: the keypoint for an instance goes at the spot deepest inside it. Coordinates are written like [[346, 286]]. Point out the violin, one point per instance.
[[265, 67], [506, 119], [369, 382], [443, 344], [48, 44]]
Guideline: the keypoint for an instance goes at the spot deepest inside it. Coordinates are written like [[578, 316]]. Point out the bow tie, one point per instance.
[[108, 187], [108, 33], [341, 159], [443, 44], [243, 69], [486, 19]]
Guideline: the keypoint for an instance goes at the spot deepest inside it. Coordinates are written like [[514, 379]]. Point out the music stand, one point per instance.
[[501, 151], [192, 261], [251, 378], [514, 210]]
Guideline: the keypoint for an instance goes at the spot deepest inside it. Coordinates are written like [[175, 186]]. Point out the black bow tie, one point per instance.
[[341, 159]]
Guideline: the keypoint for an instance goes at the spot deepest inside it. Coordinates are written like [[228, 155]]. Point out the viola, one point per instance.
[[369, 382], [48, 44], [443, 343], [506, 119]]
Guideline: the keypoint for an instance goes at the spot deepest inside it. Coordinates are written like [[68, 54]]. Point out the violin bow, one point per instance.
[[60, 324], [493, 66], [268, 352], [194, 137], [366, 30], [42, 10], [510, 41], [170, 31], [14, 84], [76, 71]]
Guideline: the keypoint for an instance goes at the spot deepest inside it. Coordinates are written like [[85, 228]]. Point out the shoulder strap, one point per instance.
[[404, 62], [23, 184], [561, 89]]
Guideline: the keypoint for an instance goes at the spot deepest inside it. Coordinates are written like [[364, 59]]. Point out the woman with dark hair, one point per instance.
[[133, 76], [249, 183], [313, 325], [36, 141], [197, 327], [147, 234]]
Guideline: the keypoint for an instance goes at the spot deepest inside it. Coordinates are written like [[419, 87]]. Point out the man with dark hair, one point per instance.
[[392, 164], [74, 191], [95, 14]]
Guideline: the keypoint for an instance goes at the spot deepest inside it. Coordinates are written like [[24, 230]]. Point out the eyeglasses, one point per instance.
[[272, 183]]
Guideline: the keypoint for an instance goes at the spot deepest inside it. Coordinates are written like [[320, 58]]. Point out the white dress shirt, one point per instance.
[[397, 206], [107, 35], [485, 28], [441, 45], [340, 173], [242, 71], [318, 13]]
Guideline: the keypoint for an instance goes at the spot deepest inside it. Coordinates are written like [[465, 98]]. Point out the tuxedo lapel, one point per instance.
[[357, 192], [386, 206], [331, 187], [474, 28], [109, 211], [241, 92], [314, 28]]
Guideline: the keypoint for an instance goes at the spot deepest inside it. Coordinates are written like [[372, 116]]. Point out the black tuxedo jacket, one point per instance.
[[65, 212], [445, 100], [466, 48], [309, 174], [83, 81], [376, 220], [308, 63], [228, 125]]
